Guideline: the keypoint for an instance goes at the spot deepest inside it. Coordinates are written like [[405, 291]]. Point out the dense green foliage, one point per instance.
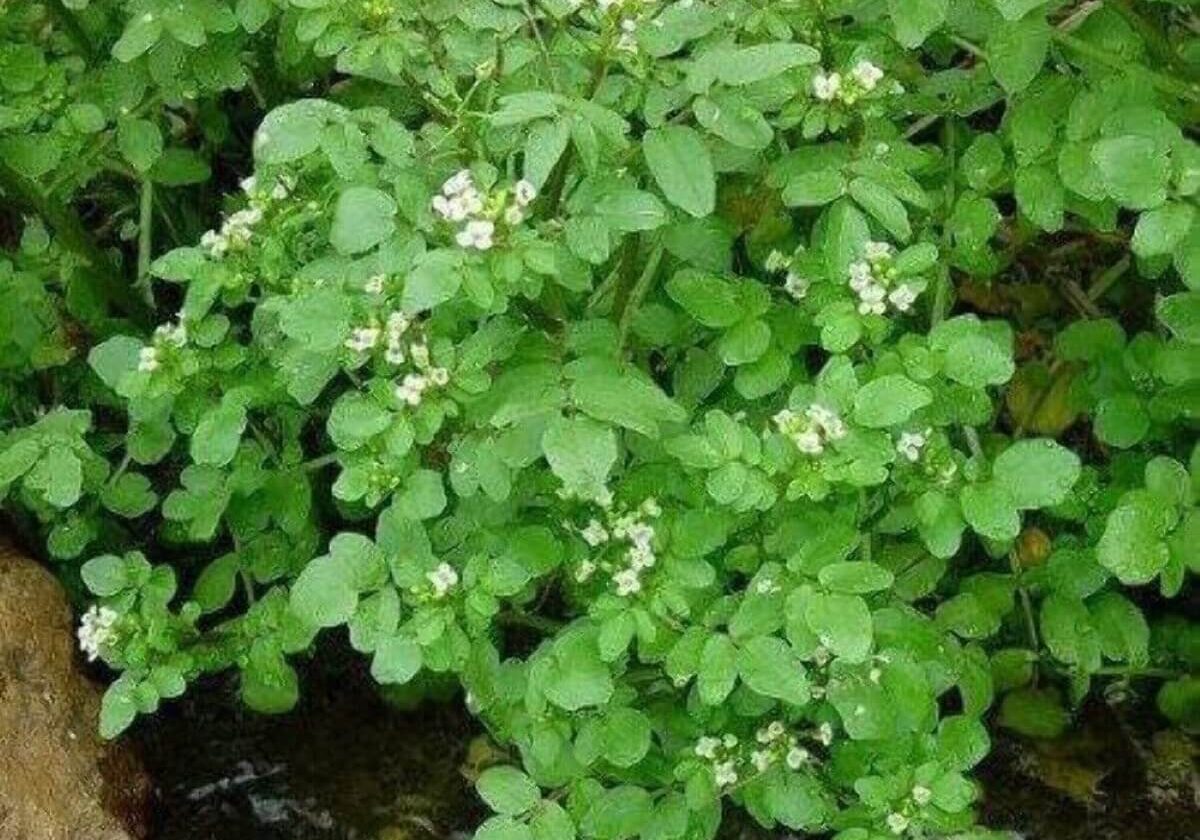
[[747, 402]]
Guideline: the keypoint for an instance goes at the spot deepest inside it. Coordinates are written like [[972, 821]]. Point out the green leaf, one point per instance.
[[991, 511], [770, 667], [680, 163], [422, 495], [118, 708], [889, 401], [1132, 545], [397, 660], [883, 206], [140, 142], [916, 20], [362, 218], [1135, 170], [1036, 473], [324, 594], [855, 578], [435, 278], [711, 300], [1033, 712], [1017, 50], [507, 790], [842, 624], [1180, 314], [355, 419], [216, 438], [105, 575], [628, 210], [581, 452], [130, 495], [1159, 231], [718, 670]]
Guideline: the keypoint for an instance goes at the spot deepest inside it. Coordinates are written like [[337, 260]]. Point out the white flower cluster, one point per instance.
[[720, 751], [97, 629], [278, 191], [165, 335], [862, 79], [412, 389], [637, 533], [910, 444], [235, 233], [897, 823], [461, 202], [813, 430], [794, 283], [871, 277], [775, 745], [442, 579]]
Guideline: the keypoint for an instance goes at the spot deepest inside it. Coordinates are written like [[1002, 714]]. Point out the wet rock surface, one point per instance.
[[58, 780]]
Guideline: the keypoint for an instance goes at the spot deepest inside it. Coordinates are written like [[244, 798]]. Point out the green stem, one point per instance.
[[637, 294], [319, 463], [1109, 278], [145, 239]]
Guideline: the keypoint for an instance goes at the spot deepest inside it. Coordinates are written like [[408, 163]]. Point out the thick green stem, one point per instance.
[[638, 293], [145, 239]]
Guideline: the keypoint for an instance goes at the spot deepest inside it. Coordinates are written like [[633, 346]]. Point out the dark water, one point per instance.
[[345, 765]]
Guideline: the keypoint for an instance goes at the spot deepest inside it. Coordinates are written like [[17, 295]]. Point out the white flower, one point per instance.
[[762, 760], [524, 192], [394, 354], [174, 334], [641, 558], [439, 376], [585, 571], [215, 243], [922, 795], [911, 444], [650, 507], [809, 442], [628, 583], [362, 339], [443, 578], [248, 184], [861, 276], [594, 534], [729, 740], [514, 215], [871, 300], [875, 675], [796, 286], [411, 389], [458, 183], [898, 823], [826, 86], [96, 629], [867, 75], [477, 234], [775, 730], [397, 323], [707, 747], [725, 774], [420, 354], [776, 261], [374, 284], [283, 188], [827, 420], [902, 297], [640, 534], [877, 251], [797, 757], [766, 586], [825, 734], [148, 359]]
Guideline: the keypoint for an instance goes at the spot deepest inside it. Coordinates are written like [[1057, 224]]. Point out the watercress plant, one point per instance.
[[745, 403]]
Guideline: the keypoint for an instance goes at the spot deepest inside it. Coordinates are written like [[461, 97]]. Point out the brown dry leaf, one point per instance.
[[1040, 399]]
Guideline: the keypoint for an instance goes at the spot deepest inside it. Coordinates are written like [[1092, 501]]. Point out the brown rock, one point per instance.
[[58, 779]]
